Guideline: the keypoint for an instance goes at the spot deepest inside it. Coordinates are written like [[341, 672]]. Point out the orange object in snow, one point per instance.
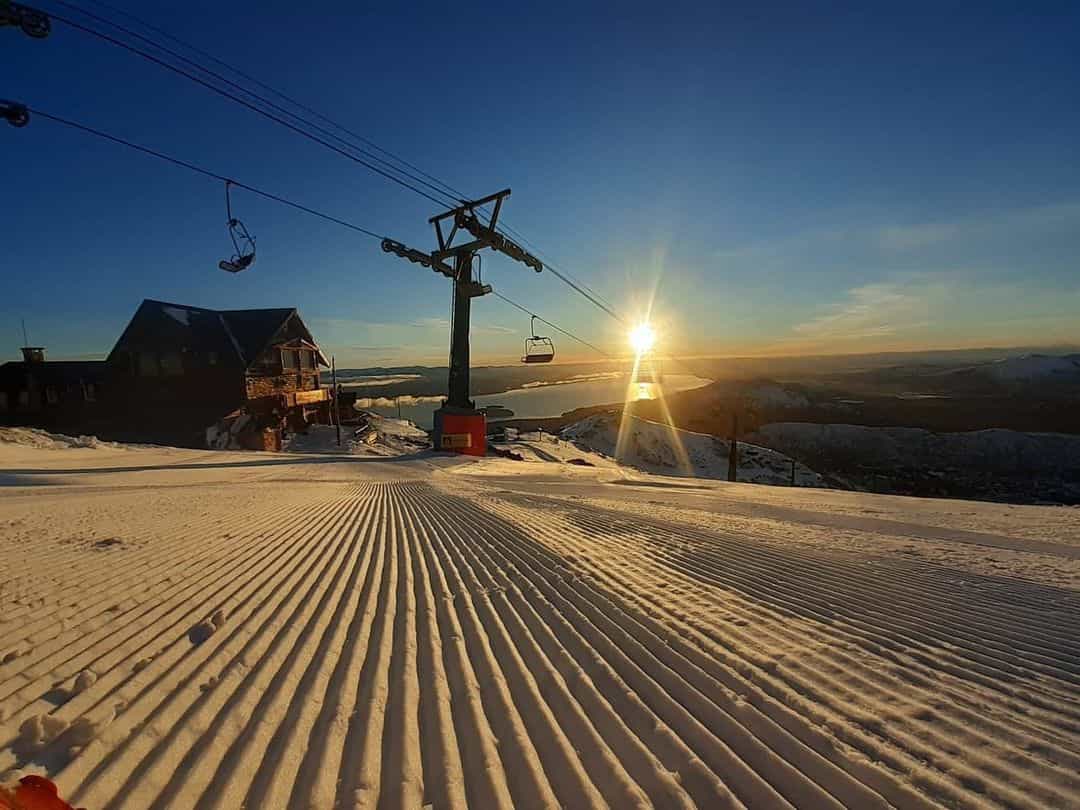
[[463, 433], [32, 793]]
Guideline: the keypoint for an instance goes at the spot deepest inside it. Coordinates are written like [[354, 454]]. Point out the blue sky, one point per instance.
[[786, 180]]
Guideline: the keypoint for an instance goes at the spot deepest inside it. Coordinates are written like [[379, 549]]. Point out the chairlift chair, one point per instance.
[[538, 349], [34, 23], [243, 242]]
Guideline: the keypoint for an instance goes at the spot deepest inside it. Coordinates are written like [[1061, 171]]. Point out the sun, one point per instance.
[[642, 338]]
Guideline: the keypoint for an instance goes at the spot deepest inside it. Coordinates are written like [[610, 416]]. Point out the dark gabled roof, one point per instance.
[[202, 329], [253, 329], [241, 333]]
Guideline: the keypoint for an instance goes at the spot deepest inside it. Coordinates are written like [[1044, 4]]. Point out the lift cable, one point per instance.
[[454, 194], [244, 102], [549, 265], [200, 170], [283, 96], [192, 167], [276, 107], [570, 335]]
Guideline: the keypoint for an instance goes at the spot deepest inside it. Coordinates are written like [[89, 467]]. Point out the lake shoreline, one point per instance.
[[537, 402]]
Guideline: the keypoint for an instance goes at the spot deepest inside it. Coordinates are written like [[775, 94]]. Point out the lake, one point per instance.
[[539, 401]]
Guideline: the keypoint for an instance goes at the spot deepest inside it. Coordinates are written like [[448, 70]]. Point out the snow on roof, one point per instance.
[[178, 314]]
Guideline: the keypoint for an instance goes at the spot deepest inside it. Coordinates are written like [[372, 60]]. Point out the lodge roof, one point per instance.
[[243, 333]]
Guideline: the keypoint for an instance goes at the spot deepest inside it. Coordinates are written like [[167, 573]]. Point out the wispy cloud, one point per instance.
[[1020, 223], [871, 311], [940, 311], [430, 323], [887, 241], [442, 324], [493, 330], [913, 237], [352, 326]]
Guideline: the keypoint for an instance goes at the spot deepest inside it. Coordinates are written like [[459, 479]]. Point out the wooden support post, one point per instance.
[[733, 449], [336, 413]]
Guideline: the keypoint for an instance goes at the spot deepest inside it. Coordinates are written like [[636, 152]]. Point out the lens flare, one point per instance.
[[642, 338]]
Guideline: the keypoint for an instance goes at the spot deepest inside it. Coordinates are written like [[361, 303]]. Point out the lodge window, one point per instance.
[[51, 395], [89, 392], [24, 399], [3, 401], [172, 364], [307, 360], [289, 359], [211, 358]]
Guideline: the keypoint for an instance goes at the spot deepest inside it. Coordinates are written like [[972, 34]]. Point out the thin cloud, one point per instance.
[[493, 330], [1015, 224], [429, 323], [887, 238], [871, 311], [913, 237]]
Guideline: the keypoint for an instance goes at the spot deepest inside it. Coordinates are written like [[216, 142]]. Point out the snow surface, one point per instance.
[[42, 439], [216, 629]]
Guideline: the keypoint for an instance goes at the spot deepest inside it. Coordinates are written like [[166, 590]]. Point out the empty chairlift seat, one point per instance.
[[538, 349]]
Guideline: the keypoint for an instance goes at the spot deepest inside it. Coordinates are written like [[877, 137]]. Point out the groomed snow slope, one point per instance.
[[224, 630]]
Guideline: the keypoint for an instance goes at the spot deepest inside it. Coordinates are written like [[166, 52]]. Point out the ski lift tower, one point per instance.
[[459, 426]]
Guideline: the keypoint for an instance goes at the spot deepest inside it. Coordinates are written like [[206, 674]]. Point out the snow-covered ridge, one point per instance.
[[657, 448], [996, 449], [1036, 366]]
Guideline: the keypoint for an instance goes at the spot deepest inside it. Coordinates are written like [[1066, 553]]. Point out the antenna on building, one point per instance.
[[25, 339]]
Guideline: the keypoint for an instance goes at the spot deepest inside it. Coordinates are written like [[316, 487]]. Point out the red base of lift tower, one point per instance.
[[460, 430]]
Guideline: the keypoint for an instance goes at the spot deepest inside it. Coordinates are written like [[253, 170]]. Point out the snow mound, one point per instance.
[[548, 448], [42, 439], [1036, 366], [657, 448], [378, 436]]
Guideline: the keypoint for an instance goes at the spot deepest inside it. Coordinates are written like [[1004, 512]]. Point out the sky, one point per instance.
[[763, 178]]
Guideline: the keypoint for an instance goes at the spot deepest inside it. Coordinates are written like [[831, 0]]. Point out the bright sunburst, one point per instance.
[[642, 338]]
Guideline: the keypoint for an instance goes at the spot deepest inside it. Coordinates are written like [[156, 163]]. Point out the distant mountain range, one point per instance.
[[1035, 366]]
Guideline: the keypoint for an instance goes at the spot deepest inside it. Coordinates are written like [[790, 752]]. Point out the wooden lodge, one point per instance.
[[186, 376]]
